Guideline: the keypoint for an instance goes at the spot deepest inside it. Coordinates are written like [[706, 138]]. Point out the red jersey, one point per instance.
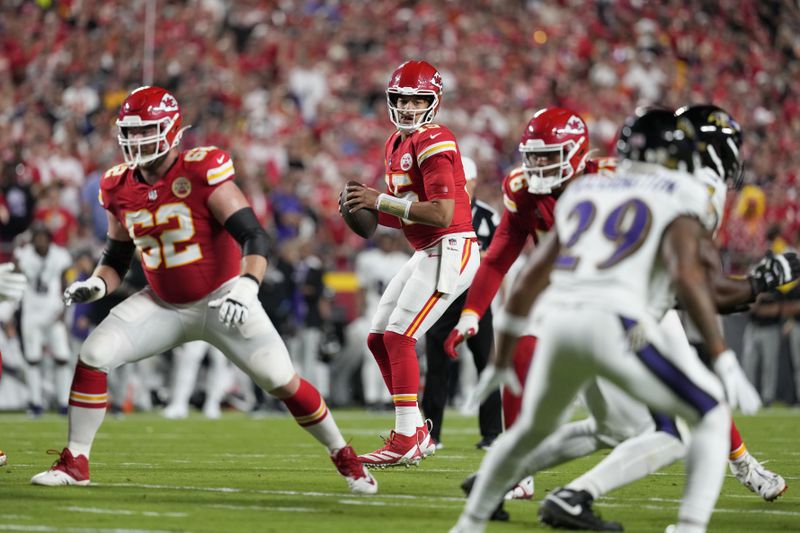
[[426, 166], [186, 252], [525, 215]]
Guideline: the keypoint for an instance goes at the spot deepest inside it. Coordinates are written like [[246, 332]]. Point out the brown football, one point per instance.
[[364, 221]]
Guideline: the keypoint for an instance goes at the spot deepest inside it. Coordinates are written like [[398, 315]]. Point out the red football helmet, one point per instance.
[[554, 148], [414, 78], [149, 106]]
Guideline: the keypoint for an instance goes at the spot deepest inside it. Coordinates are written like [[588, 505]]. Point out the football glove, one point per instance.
[[85, 291], [491, 379], [467, 327], [234, 307], [773, 271], [740, 393], [12, 284]]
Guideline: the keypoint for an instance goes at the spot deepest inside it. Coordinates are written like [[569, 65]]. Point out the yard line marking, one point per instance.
[[60, 529], [264, 508], [127, 512]]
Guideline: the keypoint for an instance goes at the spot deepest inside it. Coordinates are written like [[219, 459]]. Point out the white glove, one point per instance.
[[739, 391], [12, 284], [89, 290], [491, 379], [234, 307]]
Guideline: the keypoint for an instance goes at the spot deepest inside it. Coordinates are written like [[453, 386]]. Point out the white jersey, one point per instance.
[[374, 270], [610, 229], [44, 277]]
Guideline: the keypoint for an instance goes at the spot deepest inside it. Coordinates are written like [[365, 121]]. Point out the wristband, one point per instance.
[[394, 206], [514, 325]]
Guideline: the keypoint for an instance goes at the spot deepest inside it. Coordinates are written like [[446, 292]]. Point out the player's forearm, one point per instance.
[[255, 266], [730, 293], [437, 213], [697, 299]]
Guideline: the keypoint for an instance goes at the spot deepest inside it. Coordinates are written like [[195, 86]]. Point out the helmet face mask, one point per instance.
[[411, 81], [148, 126], [554, 149]]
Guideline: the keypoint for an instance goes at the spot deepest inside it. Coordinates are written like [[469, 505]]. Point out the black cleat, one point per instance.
[[499, 514], [567, 509]]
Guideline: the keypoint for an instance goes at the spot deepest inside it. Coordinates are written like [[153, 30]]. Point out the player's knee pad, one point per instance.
[[270, 370], [103, 350]]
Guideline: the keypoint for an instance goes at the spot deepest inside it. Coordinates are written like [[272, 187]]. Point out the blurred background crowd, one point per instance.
[[295, 90]]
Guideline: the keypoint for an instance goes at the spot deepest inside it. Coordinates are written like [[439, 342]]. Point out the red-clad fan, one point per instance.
[[426, 197], [204, 254]]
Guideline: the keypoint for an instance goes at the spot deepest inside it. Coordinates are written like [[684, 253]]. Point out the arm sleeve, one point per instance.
[[508, 241]]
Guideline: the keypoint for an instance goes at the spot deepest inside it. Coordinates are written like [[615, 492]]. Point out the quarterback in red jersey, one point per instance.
[[426, 197], [193, 226]]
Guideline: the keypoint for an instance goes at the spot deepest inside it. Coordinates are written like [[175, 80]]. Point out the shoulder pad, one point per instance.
[[514, 184], [433, 139], [113, 176], [209, 163], [601, 165]]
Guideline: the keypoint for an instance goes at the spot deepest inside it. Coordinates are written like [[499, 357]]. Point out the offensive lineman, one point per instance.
[[612, 236], [426, 197], [186, 215]]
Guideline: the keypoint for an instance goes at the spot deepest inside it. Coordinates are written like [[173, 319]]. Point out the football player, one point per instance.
[[42, 322], [12, 287], [611, 237], [615, 417], [204, 255], [426, 197]]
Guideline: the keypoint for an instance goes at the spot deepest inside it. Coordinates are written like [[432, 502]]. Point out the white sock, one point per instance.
[[187, 361], [327, 433], [630, 461], [407, 420], [83, 426], [706, 459], [33, 375]]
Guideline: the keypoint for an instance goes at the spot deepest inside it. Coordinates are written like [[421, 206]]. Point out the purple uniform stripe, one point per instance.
[[666, 424], [672, 376]]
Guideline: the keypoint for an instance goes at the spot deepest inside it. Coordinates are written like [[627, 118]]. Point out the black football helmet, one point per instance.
[[657, 136], [719, 138]]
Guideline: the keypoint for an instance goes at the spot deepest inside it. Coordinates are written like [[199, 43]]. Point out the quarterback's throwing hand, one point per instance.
[[85, 291], [467, 327], [739, 391], [491, 379], [234, 307]]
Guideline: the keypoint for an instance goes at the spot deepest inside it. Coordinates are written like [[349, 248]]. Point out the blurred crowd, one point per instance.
[[295, 90]]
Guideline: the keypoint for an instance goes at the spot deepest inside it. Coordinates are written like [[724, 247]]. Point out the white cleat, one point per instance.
[[67, 470], [758, 479], [212, 411], [468, 524], [3, 458], [522, 490], [427, 446], [175, 412]]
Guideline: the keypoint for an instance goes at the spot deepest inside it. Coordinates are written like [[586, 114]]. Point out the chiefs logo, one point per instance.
[[181, 187], [406, 161], [574, 126], [168, 104], [436, 81]]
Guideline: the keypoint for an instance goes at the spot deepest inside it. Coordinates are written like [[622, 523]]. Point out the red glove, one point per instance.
[[467, 327]]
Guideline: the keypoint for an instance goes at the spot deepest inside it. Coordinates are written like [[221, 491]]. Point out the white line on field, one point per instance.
[[59, 529], [264, 508], [127, 512]]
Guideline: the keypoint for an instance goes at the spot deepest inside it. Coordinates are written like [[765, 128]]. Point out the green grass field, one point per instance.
[[242, 474]]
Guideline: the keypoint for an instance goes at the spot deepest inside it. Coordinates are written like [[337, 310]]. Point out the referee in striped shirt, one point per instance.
[[485, 220]]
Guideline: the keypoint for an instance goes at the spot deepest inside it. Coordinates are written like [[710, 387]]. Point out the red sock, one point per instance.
[[523, 355], [307, 406], [376, 345], [738, 448], [89, 388], [404, 368]]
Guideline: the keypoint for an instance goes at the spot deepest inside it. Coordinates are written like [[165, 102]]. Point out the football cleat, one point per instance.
[[427, 445], [175, 412], [758, 479], [522, 490], [3, 458], [67, 470], [397, 450], [468, 524], [499, 514], [353, 470], [569, 509]]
